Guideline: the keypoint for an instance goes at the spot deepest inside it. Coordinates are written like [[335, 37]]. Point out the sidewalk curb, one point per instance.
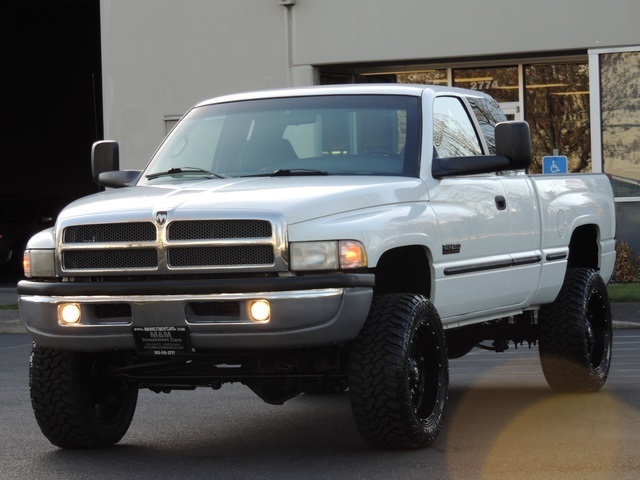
[[12, 326]]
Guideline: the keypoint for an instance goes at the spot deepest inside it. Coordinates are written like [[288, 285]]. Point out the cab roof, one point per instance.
[[352, 89]]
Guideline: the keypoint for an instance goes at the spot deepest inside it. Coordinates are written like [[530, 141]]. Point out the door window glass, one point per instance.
[[488, 114], [453, 132]]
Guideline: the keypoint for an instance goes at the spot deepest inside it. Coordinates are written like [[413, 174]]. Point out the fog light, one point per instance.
[[68, 313], [260, 311]]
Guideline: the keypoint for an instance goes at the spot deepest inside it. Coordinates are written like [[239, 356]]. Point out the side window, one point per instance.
[[453, 132], [488, 114]]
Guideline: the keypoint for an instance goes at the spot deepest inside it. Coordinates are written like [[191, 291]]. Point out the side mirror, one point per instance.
[[454, 166], [105, 157], [105, 164], [513, 140]]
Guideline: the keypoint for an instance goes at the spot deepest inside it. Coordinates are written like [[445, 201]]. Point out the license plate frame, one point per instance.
[[162, 341]]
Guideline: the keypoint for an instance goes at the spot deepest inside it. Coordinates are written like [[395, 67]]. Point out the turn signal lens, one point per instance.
[[26, 264], [352, 254], [38, 263]]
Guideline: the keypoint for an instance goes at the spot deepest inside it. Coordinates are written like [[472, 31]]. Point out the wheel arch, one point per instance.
[[405, 269], [583, 247]]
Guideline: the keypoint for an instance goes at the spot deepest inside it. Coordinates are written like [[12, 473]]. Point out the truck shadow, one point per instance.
[[489, 432]]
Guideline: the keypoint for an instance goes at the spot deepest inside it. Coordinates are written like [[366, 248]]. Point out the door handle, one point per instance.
[[501, 202]]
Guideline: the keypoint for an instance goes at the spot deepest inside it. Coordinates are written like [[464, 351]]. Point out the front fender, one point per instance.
[[44, 240], [380, 229]]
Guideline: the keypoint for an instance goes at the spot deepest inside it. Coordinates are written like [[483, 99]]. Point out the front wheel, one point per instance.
[[399, 374], [75, 404], [576, 334]]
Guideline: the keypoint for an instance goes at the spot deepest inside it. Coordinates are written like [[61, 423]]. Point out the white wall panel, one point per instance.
[[162, 56], [334, 31]]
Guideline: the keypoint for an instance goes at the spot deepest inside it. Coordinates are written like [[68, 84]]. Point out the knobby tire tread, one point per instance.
[[61, 406], [564, 354], [378, 367]]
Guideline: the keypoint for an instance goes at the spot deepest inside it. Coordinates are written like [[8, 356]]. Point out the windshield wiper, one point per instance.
[[177, 170], [297, 171], [289, 172]]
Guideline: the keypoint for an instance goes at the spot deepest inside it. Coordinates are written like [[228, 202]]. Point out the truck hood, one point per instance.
[[299, 199]]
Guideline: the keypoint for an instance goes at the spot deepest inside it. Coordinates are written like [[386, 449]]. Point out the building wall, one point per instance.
[[333, 31], [161, 56]]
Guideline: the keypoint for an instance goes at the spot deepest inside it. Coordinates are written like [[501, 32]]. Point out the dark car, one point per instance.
[[20, 219]]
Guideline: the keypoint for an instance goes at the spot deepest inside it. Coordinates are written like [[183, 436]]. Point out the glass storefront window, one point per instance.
[[426, 77], [620, 111], [557, 109], [628, 224], [555, 97], [499, 82]]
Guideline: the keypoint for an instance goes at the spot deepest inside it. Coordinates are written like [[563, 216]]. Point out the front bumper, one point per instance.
[[305, 311]]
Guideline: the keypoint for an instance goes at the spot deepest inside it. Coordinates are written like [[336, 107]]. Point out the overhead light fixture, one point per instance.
[[546, 85], [568, 93], [473, 79]]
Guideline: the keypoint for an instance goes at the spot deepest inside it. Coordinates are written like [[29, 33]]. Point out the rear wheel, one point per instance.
[[576, 334], [398, 373], [75, 404]]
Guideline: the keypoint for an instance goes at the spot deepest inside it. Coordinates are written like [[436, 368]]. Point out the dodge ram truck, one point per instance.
[[316, 240]]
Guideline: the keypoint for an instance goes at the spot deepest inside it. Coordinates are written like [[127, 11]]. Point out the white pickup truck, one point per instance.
[[316, 240]]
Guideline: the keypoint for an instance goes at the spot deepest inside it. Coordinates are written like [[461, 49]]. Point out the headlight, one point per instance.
[[38, 263], [328, 255]]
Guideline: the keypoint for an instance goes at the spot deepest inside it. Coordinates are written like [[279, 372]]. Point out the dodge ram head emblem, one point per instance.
[[161, 217]]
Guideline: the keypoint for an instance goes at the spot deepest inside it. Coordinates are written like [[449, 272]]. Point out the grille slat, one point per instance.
[[221, 256], [218, 229], [109, 259], [110, 233]]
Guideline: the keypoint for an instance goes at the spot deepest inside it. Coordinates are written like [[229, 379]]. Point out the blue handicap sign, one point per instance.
[[554, 164]]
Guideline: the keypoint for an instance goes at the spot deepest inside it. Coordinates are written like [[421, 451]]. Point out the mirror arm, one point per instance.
[[119, 178], [453, 166]]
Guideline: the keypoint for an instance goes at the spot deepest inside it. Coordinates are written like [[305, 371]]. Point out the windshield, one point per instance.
[[324, 135]]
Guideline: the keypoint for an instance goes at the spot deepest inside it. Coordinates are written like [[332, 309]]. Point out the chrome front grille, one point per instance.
[[109, 259], [177, 246], [221, 256], [111, 233], [218, 229]]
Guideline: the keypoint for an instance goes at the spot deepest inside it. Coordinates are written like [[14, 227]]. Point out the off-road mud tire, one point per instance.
[[75, 405], [576, 334], [399, 373]]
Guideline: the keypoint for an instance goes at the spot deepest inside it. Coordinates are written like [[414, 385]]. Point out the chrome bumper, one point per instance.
[[320, 315]]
